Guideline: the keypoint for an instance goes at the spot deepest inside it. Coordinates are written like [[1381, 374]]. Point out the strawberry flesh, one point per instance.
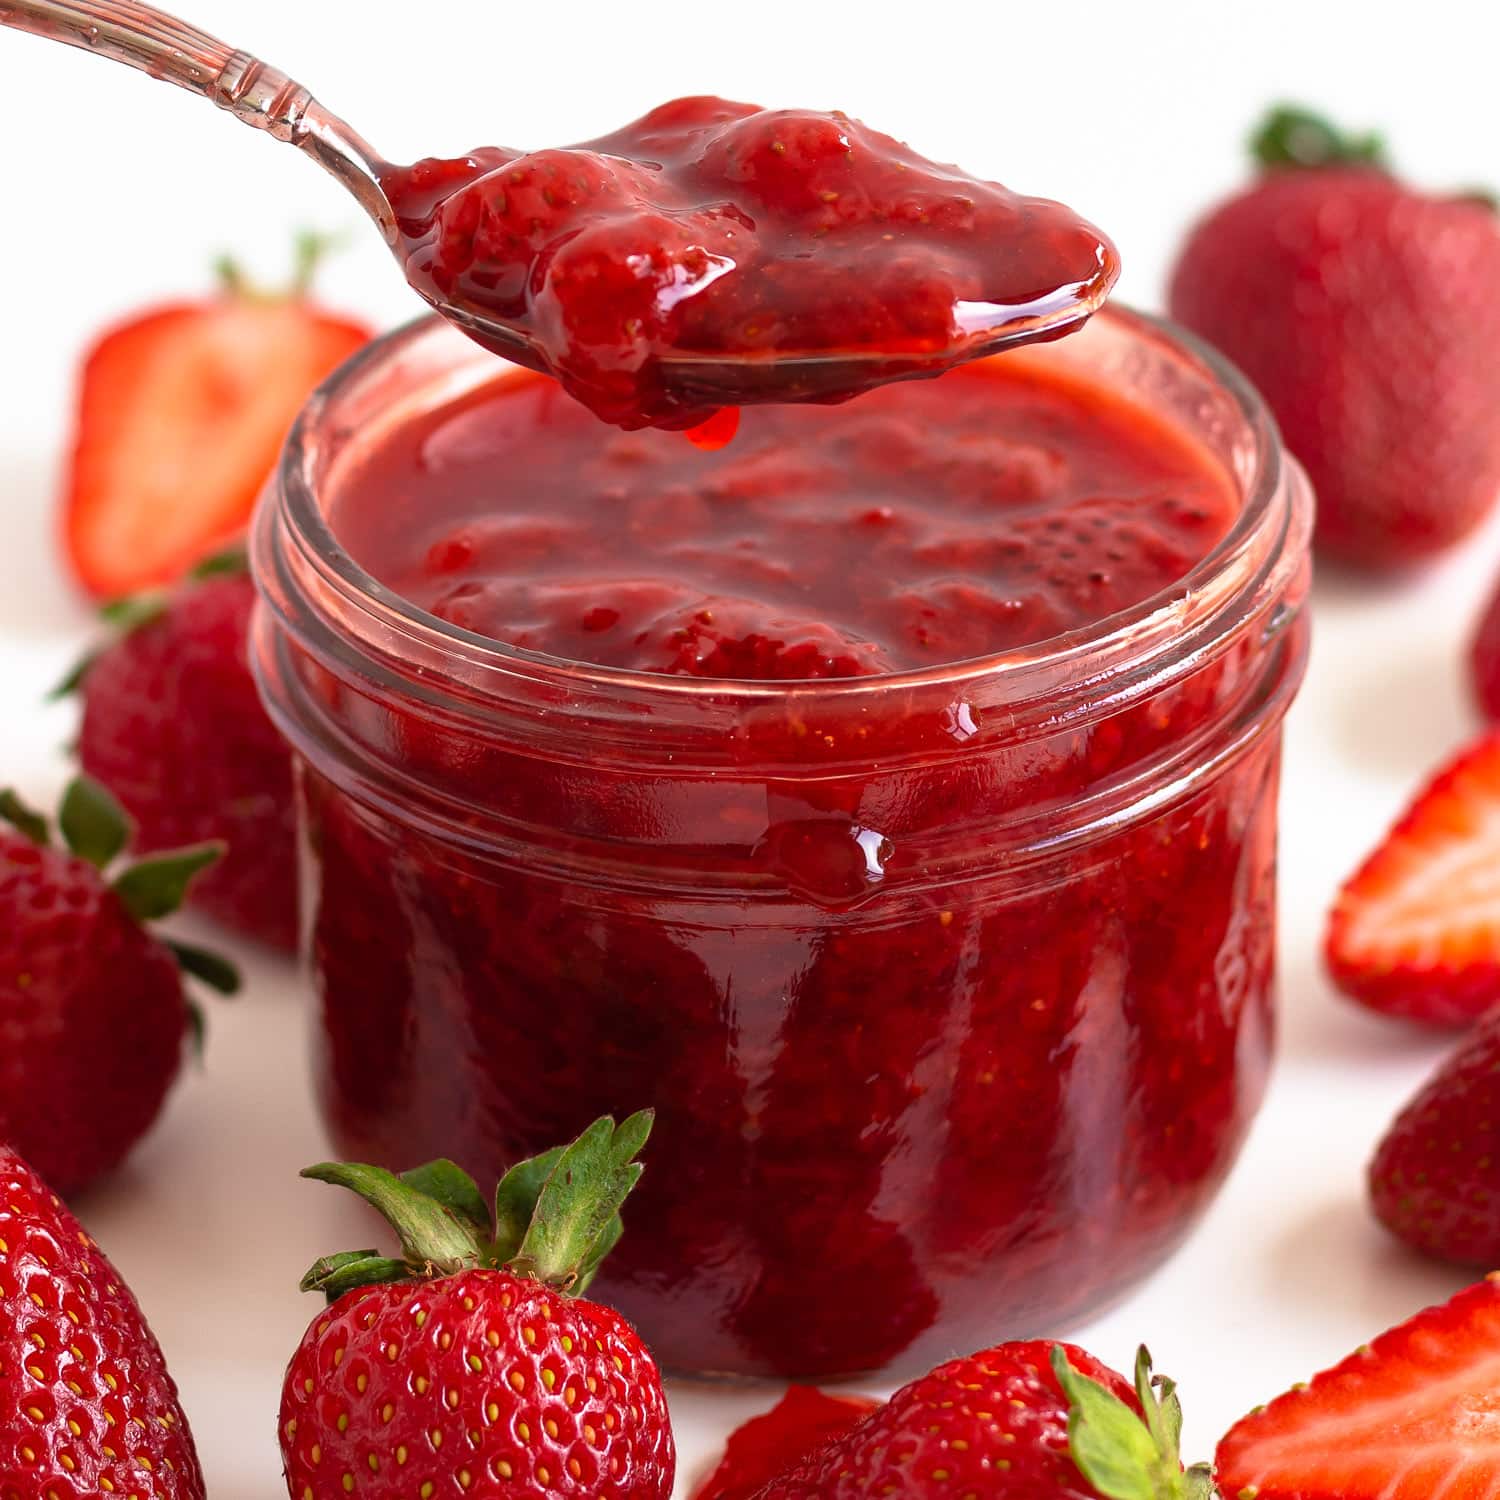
[[1412, 1416], [1415, 932], [181, 414]]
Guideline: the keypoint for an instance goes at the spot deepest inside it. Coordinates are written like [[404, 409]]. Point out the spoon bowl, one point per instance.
[[695, 380], [704, 379], [720, 379]]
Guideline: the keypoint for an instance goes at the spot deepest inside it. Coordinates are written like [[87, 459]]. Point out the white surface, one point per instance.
[[117, 190]]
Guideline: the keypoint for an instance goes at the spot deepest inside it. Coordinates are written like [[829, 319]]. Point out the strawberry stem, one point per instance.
[[1481, 197], [1122, 1456], [220, 564], [431, 1235], [93, 824], [575, 1222], [205, 966], [337, 1274], [454, 1189], [1294, 137], [23, 819], [154, 887], [231, 277], [131, 611], [556, 1216], [310, 248]]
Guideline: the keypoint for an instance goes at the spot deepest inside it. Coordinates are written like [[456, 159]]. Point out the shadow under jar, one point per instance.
[[952, 988]]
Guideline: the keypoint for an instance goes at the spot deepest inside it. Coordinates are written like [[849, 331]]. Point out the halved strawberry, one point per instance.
[[181, 414], [1416, 931], [1412, 1416]]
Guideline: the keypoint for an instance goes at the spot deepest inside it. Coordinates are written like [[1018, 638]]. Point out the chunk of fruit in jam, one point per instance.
[[715, 228], [658, 627]]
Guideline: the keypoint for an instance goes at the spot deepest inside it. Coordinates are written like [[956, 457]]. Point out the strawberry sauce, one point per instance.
[[917, 527], [711, 228]]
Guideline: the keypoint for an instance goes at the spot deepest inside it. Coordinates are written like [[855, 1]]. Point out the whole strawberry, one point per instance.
[[471, 1362], [86, 1404], [1368, 314], [1017, 1422], [173, 724], [92, 1010], [1435, 1180]]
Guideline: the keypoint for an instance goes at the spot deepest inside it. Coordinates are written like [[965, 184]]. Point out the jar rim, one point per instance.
[[295, 495]]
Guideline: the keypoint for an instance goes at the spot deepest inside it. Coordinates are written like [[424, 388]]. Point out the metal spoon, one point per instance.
[[144, 37]]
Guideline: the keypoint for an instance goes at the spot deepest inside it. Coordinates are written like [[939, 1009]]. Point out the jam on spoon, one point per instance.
[[709, 255], [714, 253]]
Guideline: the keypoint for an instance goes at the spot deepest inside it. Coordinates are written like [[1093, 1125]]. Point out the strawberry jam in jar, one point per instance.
[[887, 797]]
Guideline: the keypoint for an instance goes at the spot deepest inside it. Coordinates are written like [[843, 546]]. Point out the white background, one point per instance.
[[117, 190]]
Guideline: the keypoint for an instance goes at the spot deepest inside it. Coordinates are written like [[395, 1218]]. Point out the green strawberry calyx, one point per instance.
[[1294, 137], [1123, 1456], [554, 1219], [310, 248], [132, 612]]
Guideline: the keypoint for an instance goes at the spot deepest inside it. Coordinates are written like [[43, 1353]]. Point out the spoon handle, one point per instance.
[[141, 36]]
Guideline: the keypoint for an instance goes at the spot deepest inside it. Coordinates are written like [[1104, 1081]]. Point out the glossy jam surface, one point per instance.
[[954, 1006], [919, 526], [709, 228]]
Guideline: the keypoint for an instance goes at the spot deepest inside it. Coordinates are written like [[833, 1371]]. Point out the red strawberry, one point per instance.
[[1410, 1417], [181, 413], [1416, 931], [803, 1420], [1484, 659], [86, 1404], [173, 724], [1435, 1181], [92, 1012], [1017, 1422], [1368, 313], [471, 1362]]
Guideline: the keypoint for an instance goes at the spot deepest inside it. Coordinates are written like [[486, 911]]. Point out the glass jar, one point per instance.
[[952, 989]]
